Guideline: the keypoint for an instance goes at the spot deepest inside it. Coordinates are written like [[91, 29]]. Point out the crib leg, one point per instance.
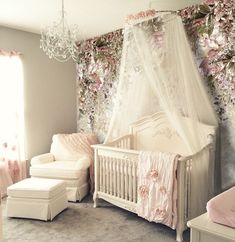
[[95, 199], [179, 233]]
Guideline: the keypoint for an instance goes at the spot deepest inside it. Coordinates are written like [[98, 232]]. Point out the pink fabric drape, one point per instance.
[[5, 179], [12, 159], [157, 189], [11, 172]]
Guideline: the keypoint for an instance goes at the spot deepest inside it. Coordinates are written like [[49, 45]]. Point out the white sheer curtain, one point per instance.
[[158, 73], [12, 152]]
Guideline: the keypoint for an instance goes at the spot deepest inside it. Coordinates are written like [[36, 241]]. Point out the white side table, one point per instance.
[[204, 230]]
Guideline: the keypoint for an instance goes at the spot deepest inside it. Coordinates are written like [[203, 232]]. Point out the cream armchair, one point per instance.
[[69, 159]]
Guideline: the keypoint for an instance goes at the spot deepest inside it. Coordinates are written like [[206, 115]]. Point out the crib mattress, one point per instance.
[[221, 209]]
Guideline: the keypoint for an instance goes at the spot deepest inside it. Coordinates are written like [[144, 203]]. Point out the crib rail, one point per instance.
[[116, 176], [125, 142]]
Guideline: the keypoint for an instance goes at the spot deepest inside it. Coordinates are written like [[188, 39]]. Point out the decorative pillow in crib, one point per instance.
[[72, 147], [221, 209]]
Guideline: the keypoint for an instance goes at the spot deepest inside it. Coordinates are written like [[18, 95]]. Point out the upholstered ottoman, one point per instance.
[[36, 198]]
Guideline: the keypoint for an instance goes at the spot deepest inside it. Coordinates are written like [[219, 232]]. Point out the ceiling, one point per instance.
[[93, 17]]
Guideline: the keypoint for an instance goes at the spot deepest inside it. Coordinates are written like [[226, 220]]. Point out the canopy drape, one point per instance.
[[158, 73]]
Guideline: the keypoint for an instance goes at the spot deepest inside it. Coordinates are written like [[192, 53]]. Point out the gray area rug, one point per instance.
[[83, 223]]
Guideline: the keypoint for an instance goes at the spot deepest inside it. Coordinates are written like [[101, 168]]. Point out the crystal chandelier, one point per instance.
[[59, 41]]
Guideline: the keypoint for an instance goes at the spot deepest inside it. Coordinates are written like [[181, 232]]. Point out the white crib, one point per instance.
[[116, 167]]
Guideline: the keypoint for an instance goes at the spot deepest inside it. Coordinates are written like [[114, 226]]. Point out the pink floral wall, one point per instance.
[[211, 30], [97, 75]]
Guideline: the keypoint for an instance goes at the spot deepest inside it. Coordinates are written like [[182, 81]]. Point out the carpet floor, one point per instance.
[[83, 223]]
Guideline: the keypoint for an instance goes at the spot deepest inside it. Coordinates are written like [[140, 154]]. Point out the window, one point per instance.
[[11, 105], [12, 155]]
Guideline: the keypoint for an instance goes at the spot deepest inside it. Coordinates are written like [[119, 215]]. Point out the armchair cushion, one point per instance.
[[72, 146], [59, 169], [42, 159]]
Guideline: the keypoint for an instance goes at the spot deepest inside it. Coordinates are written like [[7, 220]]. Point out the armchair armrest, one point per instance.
[[42, 159], [83, 163]]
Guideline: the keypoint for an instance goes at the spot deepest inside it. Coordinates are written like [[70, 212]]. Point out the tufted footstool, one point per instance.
[[36, 198]]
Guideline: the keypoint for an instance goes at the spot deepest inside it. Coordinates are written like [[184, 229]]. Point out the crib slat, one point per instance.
[[111, 176], [130, 180], [104, 178], [118, 177], [122, 178], [107, 174], [100, 174], [114, 177], [126, 177], [104, 174], [135, 182]]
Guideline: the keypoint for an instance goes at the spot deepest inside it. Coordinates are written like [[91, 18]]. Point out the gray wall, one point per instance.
[[49, 91]]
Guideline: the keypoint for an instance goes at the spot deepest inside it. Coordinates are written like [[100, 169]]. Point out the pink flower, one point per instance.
[[154, 174], [160, 213], [162, 189], [215, 68], [206, 66], [198, 22], [143, 191], [4, 145], [97, 85], [186, 13]]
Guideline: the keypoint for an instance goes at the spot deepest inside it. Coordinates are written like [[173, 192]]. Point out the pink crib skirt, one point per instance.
[[221, 209]]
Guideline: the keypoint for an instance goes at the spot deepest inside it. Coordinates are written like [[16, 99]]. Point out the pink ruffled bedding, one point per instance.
[[157, 187], [221, 209]]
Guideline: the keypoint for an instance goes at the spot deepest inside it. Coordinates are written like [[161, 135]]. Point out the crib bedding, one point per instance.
[[221, 209], [157, 189]]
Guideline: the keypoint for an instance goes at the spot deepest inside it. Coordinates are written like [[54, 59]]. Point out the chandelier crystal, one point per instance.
[[59, 41]]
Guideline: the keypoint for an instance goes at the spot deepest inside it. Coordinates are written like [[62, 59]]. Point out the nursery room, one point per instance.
[[117, 121]]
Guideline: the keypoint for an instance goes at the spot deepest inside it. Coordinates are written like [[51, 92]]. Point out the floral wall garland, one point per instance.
[[211, 30], [97, 72]]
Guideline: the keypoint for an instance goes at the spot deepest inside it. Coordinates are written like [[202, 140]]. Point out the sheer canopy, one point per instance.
[[158, 73]]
